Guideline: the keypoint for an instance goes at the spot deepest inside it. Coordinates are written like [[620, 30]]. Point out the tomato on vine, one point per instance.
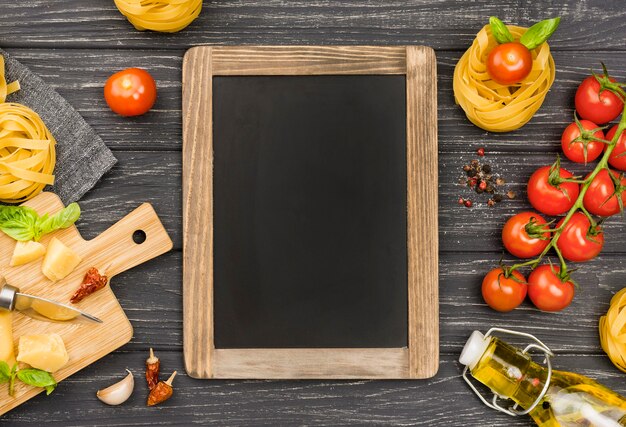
[[601, 197], [579, 241], [523, 235], [580, 141], [617, 159], [504, 293], [548, 291], [594, 102], [548, 193]]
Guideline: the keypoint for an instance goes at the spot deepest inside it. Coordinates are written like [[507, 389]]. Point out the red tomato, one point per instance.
[[575, 151], [130, 92], [617, 159], [547, 291], [577, 241], [502, 293], [547, 198], [599, 198], [509, 63], [598, 107], [516, 239]]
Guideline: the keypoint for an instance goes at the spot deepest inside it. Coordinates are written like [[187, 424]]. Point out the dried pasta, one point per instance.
[[168, 16], [490, 105], [27, 153], [613, 330], [6, 89]]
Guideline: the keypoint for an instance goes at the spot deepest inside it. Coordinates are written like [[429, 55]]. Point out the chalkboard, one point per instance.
[[310, 212]]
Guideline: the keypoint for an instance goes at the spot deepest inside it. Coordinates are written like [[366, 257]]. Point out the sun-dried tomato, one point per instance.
[[92, 282]]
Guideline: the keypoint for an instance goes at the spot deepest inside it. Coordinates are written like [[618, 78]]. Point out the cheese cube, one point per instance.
[[60, 261], [26, 252], [43, 351]]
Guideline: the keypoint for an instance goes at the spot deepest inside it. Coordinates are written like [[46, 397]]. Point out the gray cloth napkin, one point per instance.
[[82, 156]]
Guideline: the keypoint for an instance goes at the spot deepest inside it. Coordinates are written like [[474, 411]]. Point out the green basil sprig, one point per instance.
[[539, 33], [23, 223], [535, 36], [30, 376], [500, 31]]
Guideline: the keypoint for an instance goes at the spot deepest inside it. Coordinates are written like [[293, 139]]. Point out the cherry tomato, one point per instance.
[[575, 150], [130, 92], [509, 63], [617, 159], [598, 107], [547, 198], [547, 291], [577, 241], [516, 239], [599, 198], [503, 293]]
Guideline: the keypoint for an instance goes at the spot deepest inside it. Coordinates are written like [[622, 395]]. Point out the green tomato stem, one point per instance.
[[578, 205]]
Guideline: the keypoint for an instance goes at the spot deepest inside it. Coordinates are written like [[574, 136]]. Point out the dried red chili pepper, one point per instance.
[[92, 282], [153, 365], [161, 392]]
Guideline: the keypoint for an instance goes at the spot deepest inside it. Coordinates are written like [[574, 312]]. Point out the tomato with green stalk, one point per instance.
[[511, 61]]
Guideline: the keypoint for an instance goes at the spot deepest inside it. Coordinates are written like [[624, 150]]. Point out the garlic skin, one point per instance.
[[119, 392]]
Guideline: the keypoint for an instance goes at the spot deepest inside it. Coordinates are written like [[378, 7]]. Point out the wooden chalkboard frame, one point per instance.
[[421, 358]]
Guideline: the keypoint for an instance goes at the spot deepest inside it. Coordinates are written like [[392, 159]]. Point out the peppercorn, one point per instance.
[[490, 203], [486, 168], [511, 194], [468, 203], [481, 151], [461, 201], [471, 173], [482, 185], [497, 198]]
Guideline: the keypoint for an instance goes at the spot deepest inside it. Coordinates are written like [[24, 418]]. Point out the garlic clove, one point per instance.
[[119, 392]]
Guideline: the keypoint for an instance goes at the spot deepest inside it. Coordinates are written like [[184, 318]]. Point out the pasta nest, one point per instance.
[[492, 106], [168, 16], [613, 330], [27, 153]]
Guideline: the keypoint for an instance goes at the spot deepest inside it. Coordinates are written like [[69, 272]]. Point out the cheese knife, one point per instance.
[[41, 308]]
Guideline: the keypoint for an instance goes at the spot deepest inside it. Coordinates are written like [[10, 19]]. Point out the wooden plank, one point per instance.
[[447, 24], [307, 60], [307, 363], [113, 252], [422, 204], [198, 212], [79, 75], [443, 400]]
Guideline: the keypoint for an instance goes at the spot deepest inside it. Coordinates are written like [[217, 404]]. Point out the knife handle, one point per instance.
[[7, 297]]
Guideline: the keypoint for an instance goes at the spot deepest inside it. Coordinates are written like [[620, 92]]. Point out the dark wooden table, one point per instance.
[[74, 45]]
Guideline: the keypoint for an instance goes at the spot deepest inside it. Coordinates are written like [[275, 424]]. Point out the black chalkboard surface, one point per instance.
[[310, 228]]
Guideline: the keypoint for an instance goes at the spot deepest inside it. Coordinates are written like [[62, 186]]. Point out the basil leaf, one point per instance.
[[37, 378], [62, 219], [539, 33], [500, 31], [5, 372], [18, 222]]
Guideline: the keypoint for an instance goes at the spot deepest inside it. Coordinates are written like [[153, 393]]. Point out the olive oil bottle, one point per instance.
[[552, 398]]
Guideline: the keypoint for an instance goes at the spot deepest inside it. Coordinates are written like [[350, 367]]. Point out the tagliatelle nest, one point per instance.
[[168, 16], [613, 330], [491, 105]]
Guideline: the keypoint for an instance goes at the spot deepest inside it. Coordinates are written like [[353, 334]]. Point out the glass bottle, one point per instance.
[[552, 398]]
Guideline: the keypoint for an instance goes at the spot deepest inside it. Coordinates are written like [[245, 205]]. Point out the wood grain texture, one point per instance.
[[74, 45], [422, 204], [198, 212], [307, 60], [203, 361], [113, 252], [318, 363], [442, 24]]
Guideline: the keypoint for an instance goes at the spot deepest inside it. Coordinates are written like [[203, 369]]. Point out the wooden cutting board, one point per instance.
[[114, 250]]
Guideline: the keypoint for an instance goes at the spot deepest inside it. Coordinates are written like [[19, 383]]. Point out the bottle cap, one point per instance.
[[474, 349]]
